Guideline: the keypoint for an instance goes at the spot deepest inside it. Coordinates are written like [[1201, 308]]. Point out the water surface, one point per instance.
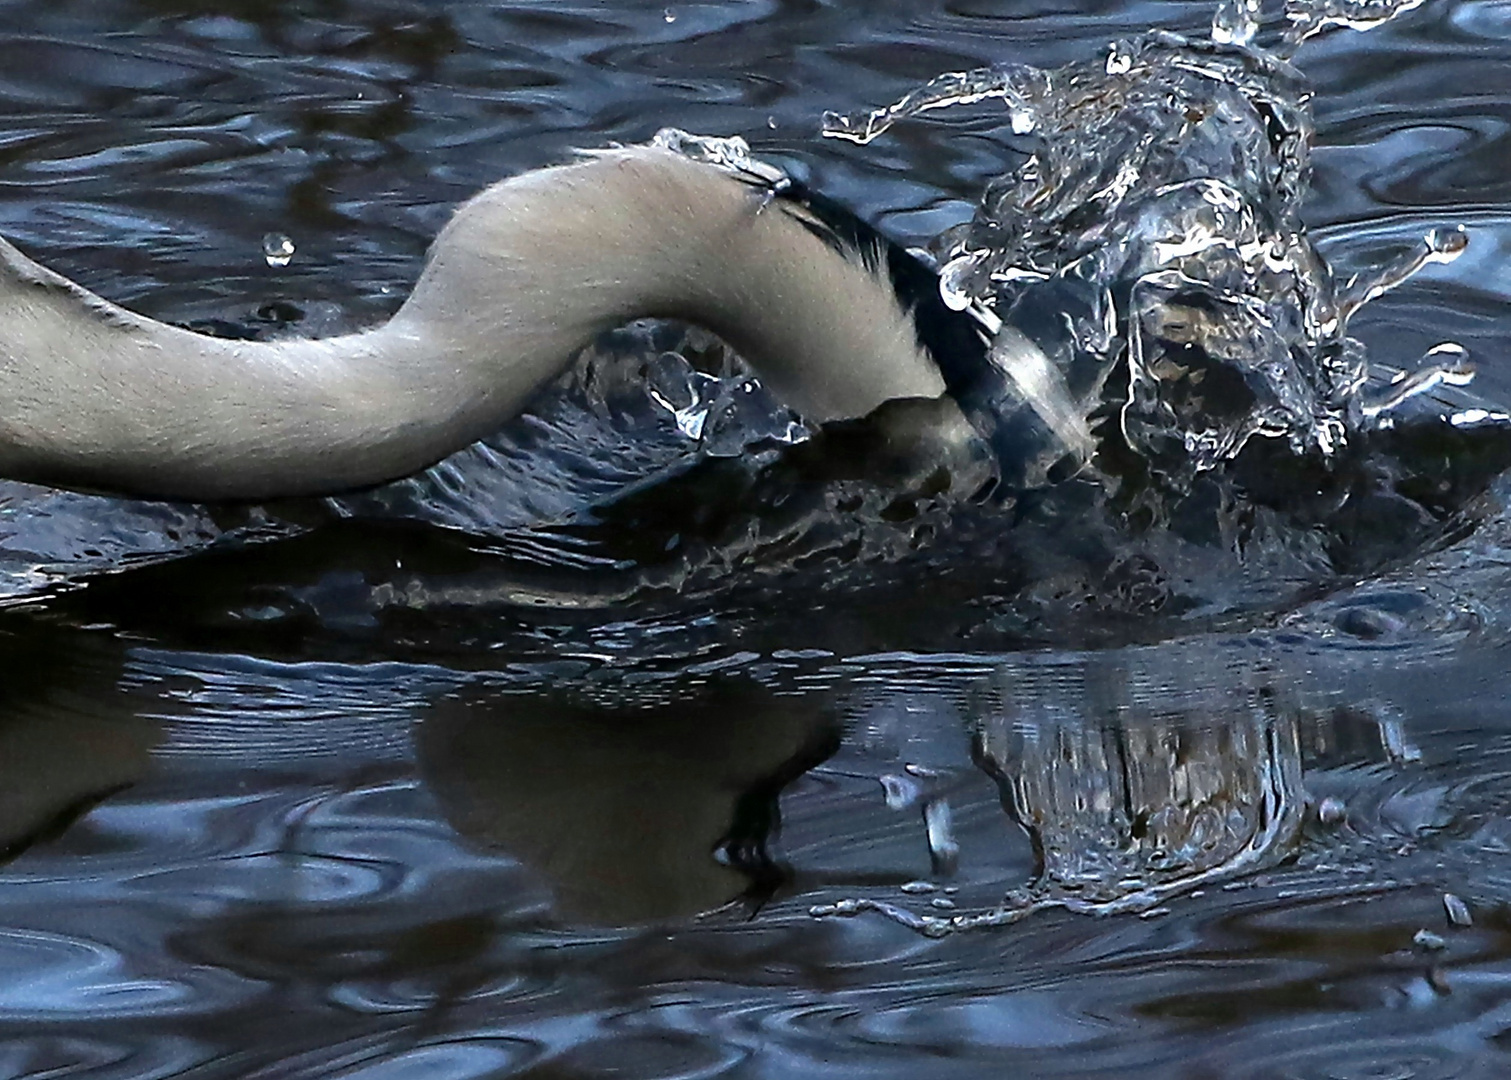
[[328, 806]]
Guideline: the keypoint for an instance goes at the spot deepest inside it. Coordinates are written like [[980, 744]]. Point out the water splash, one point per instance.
[[731, 153], [277, 249], [1308, 18], [1019, 88], [721, 414], [1235, 22], [1445, 364], [1148, 238]]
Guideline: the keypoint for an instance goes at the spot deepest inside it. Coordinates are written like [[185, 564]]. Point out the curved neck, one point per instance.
[[524, 276]]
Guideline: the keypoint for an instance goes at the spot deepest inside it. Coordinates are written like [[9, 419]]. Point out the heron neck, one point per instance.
[[523, 277]]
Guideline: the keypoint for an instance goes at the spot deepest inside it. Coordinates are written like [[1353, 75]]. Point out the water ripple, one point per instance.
[[239, 841]]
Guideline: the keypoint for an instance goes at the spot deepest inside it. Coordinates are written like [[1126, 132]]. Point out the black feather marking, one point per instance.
[[959, 342], [956, 340]]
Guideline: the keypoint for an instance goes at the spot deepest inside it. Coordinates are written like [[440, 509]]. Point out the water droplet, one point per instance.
[[1235, 22], [1438, 246], [1426, 939], [1475, 417], [277, 249], [1446, 363], [1447, 353], [955, 281], [1458, 911], [1331, 811], [1020, 86], [900, 792], [939, 829], [1445, 245]]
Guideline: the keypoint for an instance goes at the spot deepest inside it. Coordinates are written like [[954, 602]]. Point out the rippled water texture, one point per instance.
[[394, 786]]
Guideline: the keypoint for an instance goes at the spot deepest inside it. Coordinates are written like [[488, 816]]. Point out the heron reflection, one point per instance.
[[1137, 776], [632, 813]]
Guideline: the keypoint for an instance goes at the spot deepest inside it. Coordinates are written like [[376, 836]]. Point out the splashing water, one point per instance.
[[1153, 218], [1237, 22], [1149, 240], [1309, 18], [723, 414], [1144, 256], [1158, 303]]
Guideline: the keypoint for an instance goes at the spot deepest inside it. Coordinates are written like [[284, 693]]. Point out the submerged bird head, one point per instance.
[[835, 318]]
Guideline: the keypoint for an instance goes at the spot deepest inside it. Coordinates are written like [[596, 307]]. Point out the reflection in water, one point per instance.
[[634, 811], [60, 752], [1149, 775], [1124, 817], [321, 863], [1136, 778]]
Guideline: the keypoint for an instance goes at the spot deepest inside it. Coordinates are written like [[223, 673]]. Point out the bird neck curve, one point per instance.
[[523, 276]]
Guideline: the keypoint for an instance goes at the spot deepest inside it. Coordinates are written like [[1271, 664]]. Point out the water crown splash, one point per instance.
[[1149, 241]]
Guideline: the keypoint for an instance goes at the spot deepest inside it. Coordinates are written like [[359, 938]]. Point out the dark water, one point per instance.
[[341, 804]]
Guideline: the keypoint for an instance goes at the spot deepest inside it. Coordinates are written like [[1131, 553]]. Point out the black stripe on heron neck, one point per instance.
[[959, 342], [956, 340]]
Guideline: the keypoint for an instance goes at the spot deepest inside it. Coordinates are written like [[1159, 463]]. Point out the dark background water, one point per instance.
[[258, 824]]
